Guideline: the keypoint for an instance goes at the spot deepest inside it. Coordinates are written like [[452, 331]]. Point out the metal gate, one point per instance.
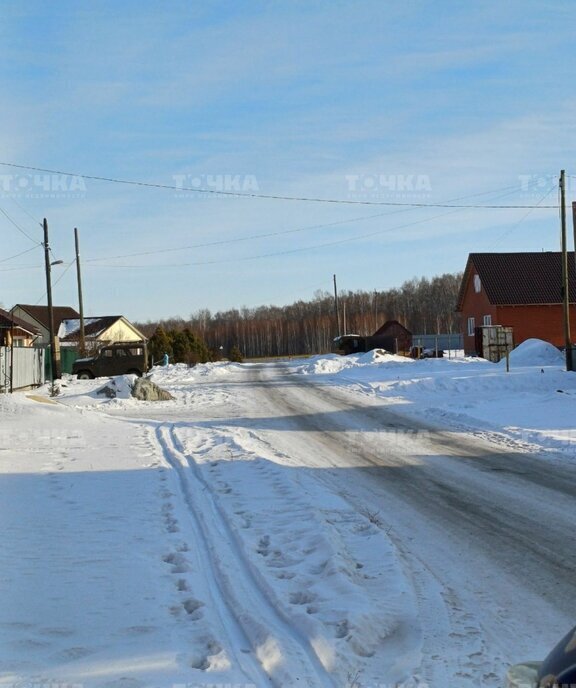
[[22, 367]]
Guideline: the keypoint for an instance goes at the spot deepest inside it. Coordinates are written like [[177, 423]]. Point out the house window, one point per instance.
[[471, 325], [477, 284], [487, 320]]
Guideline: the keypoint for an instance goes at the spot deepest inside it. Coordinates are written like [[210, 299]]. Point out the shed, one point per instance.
[[394, 331]]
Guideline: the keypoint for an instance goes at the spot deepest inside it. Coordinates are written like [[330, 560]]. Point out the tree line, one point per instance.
[[423, 305]]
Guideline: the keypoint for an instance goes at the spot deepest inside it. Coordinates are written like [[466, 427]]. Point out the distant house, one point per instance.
[[518, 290], [397, 337], [392, 336], [16, 331], [37, 317], [98, 331]]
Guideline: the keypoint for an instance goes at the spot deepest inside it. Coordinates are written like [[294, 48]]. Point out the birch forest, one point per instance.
[[423, 305]]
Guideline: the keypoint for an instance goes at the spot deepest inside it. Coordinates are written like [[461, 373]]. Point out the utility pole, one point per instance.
[[51, 335], [80, 302], [574, 228], [336, 308], [565, 289]]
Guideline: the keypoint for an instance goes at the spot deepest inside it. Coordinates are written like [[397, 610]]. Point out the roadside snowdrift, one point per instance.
[[535, 402]]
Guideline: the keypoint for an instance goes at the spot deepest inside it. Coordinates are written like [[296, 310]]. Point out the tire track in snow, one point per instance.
[[280, 655]]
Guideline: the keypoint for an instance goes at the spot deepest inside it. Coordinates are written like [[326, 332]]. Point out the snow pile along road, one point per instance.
[[533, 403]]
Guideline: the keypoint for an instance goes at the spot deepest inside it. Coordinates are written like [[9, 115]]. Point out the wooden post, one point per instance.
[[80, 301], [54, 373]]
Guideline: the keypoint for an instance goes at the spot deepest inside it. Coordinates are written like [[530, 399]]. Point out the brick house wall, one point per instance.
[[477, 308], [521, 290], [541, 321]]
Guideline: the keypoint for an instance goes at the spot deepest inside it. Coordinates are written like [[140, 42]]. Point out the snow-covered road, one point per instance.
[[269, 527]]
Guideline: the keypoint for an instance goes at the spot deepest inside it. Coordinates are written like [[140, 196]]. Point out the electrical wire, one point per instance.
[[521, 220], [22, 231], [5, 260], [55, 282], [21, 267], [222, 242], [23, 209], [236, 259], [273, 197]]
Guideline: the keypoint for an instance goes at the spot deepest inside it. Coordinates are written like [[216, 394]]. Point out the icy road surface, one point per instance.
[[273, 528]]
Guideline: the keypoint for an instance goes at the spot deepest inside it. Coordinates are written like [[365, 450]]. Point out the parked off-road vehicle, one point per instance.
[[128, 358]]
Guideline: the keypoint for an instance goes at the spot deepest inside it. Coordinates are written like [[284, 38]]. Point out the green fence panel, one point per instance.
[[67, 358]]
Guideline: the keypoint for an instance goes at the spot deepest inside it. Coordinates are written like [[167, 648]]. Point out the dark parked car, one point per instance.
[[558, 670], [113, 359]]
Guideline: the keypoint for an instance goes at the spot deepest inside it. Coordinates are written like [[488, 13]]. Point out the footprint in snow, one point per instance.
[[178, 563], [301, 597], [193, 607], [264, 546]]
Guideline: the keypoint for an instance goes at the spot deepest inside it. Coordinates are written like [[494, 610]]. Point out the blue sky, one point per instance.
[[412, 102]]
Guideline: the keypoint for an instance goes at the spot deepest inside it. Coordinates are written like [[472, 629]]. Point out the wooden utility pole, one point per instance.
[[574, 228], [565, 283], [336, 308], [51, 334], [82, 342]]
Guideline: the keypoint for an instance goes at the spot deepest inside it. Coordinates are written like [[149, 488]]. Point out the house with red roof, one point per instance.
[[518, 290]]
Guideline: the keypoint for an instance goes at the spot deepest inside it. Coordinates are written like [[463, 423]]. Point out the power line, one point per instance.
[[43, 297], [273, 197], [34, 219], [223, 242], [22, 231], [236, 259], [521, 220], [21, 267], [5, 260]]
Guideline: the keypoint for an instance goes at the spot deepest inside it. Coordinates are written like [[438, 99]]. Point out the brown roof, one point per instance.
[[6, 320], [392, 326], [520, 279], [40, 314]]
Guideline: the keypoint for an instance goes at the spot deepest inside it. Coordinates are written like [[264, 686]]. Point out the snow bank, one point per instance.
[[533, 403], [536, 352], [182, 373], [330, 364]]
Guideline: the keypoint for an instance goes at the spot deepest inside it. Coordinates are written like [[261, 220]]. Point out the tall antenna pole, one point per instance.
[[80, 302], [336, 308], [565, 289]]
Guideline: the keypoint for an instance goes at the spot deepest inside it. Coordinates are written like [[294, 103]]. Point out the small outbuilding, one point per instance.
[[394, 337]]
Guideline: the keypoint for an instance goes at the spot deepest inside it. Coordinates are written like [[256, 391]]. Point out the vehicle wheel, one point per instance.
[[134, 372], [85, 375]]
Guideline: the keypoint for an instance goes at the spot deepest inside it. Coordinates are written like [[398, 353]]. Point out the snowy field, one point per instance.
[[238, 535]]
